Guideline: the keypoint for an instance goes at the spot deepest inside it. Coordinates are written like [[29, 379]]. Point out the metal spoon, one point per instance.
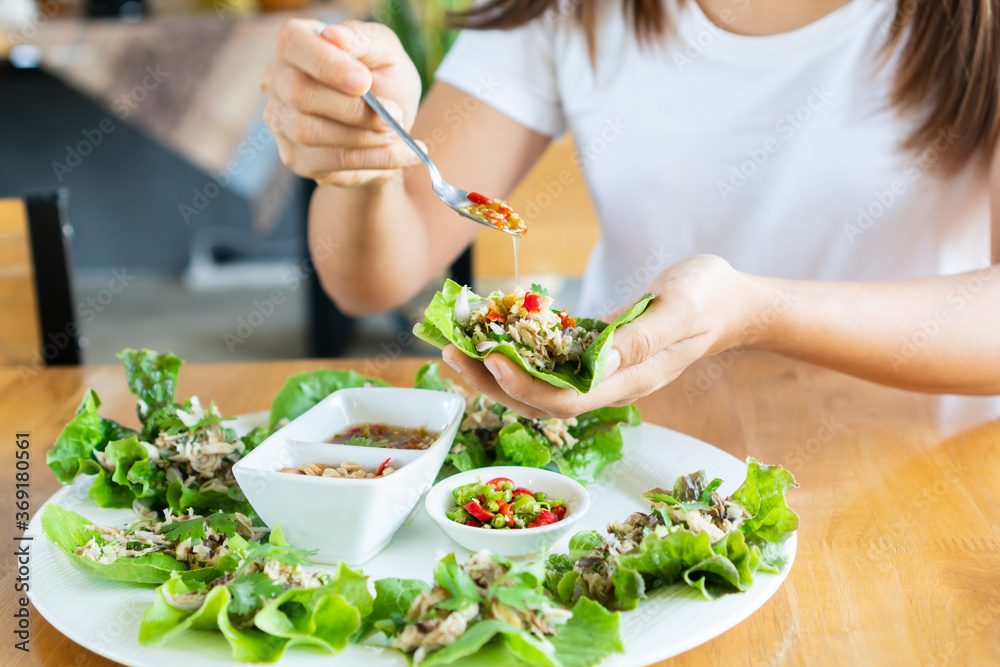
[[454, 197]]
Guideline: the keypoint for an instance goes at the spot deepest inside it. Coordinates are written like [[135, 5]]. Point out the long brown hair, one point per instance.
[[948, 62]]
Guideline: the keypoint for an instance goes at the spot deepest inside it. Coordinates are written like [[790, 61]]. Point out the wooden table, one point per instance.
[[899, 551]]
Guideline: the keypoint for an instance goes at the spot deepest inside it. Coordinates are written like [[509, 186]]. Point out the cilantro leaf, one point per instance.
[[455, 580], [538, 289], [178, 531], [284, 553], [362, 441], [194, 529], [250, 591]]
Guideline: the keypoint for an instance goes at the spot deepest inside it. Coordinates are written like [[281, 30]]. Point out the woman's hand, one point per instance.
[[323, 128], [702, 307]]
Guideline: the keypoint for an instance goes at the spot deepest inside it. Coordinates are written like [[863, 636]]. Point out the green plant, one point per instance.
[[421, 28]]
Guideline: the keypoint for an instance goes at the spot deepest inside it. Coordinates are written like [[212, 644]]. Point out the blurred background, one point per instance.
[[143, 203]]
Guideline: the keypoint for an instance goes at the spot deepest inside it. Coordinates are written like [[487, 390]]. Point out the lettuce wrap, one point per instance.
[[441, 327]]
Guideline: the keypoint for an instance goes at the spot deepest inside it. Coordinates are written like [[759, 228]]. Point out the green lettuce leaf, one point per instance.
[[763, 496], [393, 598], [522, 446], [588, 457], [518, 642], [467, 452], [304, 390], [152, 377], [590, 636], [439, 328], [68, 530], [181, 498], [325, 617], [72, 453], [429, 377]]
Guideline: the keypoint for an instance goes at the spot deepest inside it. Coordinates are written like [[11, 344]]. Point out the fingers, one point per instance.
[[300, 91], [311, 130], [373, 44], [299, 45], [479, 378]]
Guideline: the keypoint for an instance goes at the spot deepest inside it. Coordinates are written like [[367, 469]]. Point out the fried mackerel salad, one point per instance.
[[216, 567], [523, 326]]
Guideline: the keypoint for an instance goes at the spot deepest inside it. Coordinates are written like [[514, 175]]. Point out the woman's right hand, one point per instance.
[[314, 84]]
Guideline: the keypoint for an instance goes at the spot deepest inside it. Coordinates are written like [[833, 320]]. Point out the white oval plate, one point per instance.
[[104, 616]]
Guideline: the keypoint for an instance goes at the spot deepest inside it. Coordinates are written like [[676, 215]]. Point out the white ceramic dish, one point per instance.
[[104, 616], [521, 542], [348, 519]]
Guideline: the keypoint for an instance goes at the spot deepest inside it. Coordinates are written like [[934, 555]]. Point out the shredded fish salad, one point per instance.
[[543, 337], [435, 620], [199, 541]]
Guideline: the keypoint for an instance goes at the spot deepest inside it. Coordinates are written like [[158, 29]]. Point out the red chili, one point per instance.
[[474, 508], [520, 491], [496, 482], [544, 518], [382, 467], [477, 198], [560, 512], [532, 302], [567, 321]]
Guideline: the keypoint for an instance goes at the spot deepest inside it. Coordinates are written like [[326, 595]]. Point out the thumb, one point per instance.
[[373, 44]]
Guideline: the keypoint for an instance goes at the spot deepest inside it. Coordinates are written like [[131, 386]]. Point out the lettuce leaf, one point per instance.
[[393, 598], [763, 496], [68, 530], [467, 452], [439, 328], [152, 377], [304, 390], [72, 453], [590, 636], [429, 377], [181, 498], [326, 617], [520, 445]]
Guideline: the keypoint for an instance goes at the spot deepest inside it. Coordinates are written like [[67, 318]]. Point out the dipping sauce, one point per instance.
[[497, 213], [386, 435]]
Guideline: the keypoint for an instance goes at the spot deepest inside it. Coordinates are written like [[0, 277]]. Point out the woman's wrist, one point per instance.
[[768, 303]]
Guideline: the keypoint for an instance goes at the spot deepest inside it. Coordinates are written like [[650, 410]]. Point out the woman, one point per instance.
[[823, 173]]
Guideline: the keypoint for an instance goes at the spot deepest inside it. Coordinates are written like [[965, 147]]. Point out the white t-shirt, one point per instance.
[[780, 153]]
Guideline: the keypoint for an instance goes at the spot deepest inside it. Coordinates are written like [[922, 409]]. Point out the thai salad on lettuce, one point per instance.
[[267, 602], [491, 434], [148, 551], [550, 345], [181, 459], [494, 609], [692, 534]]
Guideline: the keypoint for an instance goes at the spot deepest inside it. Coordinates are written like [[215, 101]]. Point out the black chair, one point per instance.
[[36, 304]]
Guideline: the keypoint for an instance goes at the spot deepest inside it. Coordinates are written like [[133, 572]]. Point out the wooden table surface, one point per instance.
[[899, 551]]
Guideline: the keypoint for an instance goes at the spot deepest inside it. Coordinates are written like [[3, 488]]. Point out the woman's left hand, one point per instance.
[[702, 306]]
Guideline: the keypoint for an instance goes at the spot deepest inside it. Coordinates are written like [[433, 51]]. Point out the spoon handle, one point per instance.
[[377, 107]]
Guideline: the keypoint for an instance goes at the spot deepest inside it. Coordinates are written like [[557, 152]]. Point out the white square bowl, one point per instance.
[[348, 520]]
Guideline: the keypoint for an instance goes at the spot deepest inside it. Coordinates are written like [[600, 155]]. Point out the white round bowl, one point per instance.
[[514, 542]]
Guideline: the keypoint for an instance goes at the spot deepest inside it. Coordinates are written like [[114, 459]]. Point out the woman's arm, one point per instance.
[[938, 334], [377, 232]]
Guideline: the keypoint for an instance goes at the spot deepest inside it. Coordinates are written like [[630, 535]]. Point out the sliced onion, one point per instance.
[[185, 601], [497, 329], [486, 345], [463, 312]]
